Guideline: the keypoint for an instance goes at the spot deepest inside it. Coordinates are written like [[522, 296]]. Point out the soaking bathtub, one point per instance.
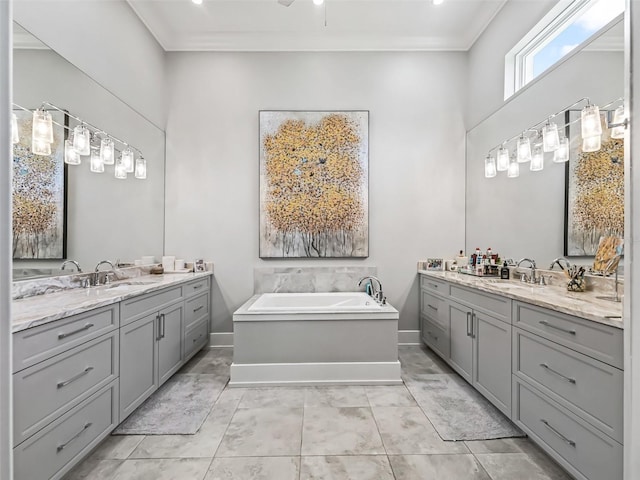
[[344, 338]]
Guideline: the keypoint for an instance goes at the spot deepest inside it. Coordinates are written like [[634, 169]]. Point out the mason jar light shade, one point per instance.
[[120, 170], [490, 170], [591, 144], [524, 149], [128, 160], [502, 159], [107, 151], [537, 159], [618, 117], [82, 140], [562, 153], [71, 157], [141, 168], [15, 135], [514, 168], [42, 130], [550, 137], [40, 147], [591, 125], [97, 166]]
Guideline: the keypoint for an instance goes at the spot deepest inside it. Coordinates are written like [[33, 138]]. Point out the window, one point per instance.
[[567, 26]]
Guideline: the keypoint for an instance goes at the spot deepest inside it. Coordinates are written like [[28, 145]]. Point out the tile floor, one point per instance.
[[328, 433]]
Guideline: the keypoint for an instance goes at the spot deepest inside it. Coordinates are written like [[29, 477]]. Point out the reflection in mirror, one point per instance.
[[525, 216], [106, 218]]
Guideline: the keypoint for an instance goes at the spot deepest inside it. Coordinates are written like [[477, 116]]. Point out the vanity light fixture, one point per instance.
[[71, 156], [550, 137], [42, 129], [141, 168], [591, 123], [490, 170], [514, 168], [15, 135], [82, 140], [128, 160], [438, 2], [592, 144], [502, 159], [107, 151], [618, 125], [40, 147], [197, 2], [120, 170], [524, 149], [537, 159], [562, 152], [318, 2], [97, 166]]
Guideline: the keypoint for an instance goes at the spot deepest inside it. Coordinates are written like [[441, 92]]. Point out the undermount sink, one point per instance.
[[128, 283]]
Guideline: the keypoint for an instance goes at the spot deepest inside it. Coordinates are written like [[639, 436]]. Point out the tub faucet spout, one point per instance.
[[377, 293]]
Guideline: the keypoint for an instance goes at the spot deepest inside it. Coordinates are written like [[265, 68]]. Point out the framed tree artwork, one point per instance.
[[314, 184]]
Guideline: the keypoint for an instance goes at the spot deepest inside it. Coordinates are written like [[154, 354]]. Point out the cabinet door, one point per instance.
[[492, 360], [138, 377], [461, 352], [170, 341]]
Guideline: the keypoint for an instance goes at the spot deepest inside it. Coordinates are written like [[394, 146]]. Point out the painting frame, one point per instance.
[[583, 242], [21, 181], [356, 245]]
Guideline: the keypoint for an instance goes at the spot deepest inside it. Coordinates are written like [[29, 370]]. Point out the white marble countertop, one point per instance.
[[579, 304], [37, 310]]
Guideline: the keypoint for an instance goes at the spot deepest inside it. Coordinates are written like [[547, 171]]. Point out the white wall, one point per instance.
[[486, 57], [107, 218], [416, 179], [106, 40]]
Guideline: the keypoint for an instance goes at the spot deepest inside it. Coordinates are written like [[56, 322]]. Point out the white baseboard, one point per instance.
[[409, 337], [334, 373], [221, 340], [225, 339]]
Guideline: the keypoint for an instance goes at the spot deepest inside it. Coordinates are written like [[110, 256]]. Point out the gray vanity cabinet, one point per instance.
[[151, 345], [461, 352]]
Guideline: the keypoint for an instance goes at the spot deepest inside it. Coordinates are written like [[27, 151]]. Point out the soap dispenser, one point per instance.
[[504, 271]]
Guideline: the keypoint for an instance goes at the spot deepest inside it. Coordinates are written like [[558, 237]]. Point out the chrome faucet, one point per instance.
[[96, 273], [377, 294], [559, 261], [64, 264], [532, 263]]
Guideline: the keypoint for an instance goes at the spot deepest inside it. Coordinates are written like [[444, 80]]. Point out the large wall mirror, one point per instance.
[[525, 216], [106, 218]]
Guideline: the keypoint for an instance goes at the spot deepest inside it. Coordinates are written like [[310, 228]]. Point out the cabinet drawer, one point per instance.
[[47, 390], [496, 306], [37, 344], [434, 308], [137, 307], [599, 341], [196, 337], [196, 308], [586, 452], [54, 450], [593, 386], [194, 288], [434, 285], [435, 337]]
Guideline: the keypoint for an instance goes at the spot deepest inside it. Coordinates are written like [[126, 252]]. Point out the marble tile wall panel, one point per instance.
[[309, 279]]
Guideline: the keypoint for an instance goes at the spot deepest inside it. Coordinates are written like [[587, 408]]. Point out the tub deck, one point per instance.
[[315, 345]]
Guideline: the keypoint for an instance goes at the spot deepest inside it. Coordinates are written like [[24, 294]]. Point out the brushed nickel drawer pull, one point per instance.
[[433, 285], [198, 309], [571, 443], [432, 335], [547, 324], [68, 334], [196, 287], [564, 377], [74, 378], [432, 307], [468, 323], [64, 445]]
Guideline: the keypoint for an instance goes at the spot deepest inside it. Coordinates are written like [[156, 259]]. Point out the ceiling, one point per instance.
[[265, 25]]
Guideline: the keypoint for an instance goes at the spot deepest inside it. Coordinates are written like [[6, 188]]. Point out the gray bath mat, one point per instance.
[[457, 411], [179, 407]]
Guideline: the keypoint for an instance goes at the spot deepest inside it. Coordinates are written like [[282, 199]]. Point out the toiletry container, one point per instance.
[[504, 272]]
